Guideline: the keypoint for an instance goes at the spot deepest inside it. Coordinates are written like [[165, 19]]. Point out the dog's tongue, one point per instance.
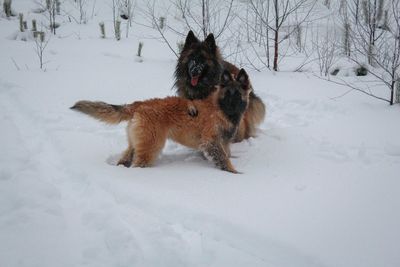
[[194, 80]]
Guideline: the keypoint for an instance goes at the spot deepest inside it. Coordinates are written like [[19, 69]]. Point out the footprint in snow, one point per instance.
[[113, 159]]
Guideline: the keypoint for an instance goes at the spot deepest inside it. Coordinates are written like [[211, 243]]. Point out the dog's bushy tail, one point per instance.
[[256, 109], [112, 114]]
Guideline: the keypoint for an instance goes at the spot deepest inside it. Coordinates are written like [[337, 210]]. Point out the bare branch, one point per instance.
[[353, 88]]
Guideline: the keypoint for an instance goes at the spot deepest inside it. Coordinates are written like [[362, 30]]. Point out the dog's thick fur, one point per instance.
[[197, 72], [152, 121]]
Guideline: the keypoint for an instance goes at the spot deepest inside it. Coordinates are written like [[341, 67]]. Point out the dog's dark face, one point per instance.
[[233, 95], [198, 69]]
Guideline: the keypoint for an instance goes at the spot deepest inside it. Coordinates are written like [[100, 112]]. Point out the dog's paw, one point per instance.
[[233, 171], [192, 111], [230, 169], [126, 163]]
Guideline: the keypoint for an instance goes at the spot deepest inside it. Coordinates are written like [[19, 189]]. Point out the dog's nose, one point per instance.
[[195, 68], [196, 71]]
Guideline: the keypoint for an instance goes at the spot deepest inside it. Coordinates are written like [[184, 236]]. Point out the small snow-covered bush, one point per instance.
[[102, 30], [139, 57], [117, 29], [7, 8]]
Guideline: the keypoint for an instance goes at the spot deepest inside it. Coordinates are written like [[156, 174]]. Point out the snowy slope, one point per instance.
[[320, 183]]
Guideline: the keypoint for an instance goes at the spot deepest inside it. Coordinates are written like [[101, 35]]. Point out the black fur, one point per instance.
[[206, 58], [232, 104], [228, 134], [233, 107]]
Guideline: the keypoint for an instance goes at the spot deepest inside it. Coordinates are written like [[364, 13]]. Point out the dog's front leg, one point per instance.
[[215, 152]]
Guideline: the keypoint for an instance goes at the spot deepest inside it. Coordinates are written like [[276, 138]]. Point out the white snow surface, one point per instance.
[[320, 183]]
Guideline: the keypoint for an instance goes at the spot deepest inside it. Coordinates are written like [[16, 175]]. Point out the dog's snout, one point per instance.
[[195, 68]]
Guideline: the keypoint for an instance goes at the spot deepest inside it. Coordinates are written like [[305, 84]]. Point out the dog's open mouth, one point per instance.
[[194, 81]]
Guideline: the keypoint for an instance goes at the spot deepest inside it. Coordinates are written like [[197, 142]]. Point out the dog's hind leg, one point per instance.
[[149, 141], [127, 157], [146, 155]]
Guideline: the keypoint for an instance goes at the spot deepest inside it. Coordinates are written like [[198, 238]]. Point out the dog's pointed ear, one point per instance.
[[190, 39], [243, 79], [226, 77], [210, 42]]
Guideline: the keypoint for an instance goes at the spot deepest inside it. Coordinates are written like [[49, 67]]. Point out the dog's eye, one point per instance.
[[192, 63]]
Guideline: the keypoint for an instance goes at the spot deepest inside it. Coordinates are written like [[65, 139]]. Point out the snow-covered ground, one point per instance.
[[320, 183]]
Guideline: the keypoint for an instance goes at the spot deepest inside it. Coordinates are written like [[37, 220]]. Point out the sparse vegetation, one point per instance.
[[102, 30], [259, 34]]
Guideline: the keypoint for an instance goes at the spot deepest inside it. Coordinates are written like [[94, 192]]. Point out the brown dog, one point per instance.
[[197, 72], [152, 121]]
